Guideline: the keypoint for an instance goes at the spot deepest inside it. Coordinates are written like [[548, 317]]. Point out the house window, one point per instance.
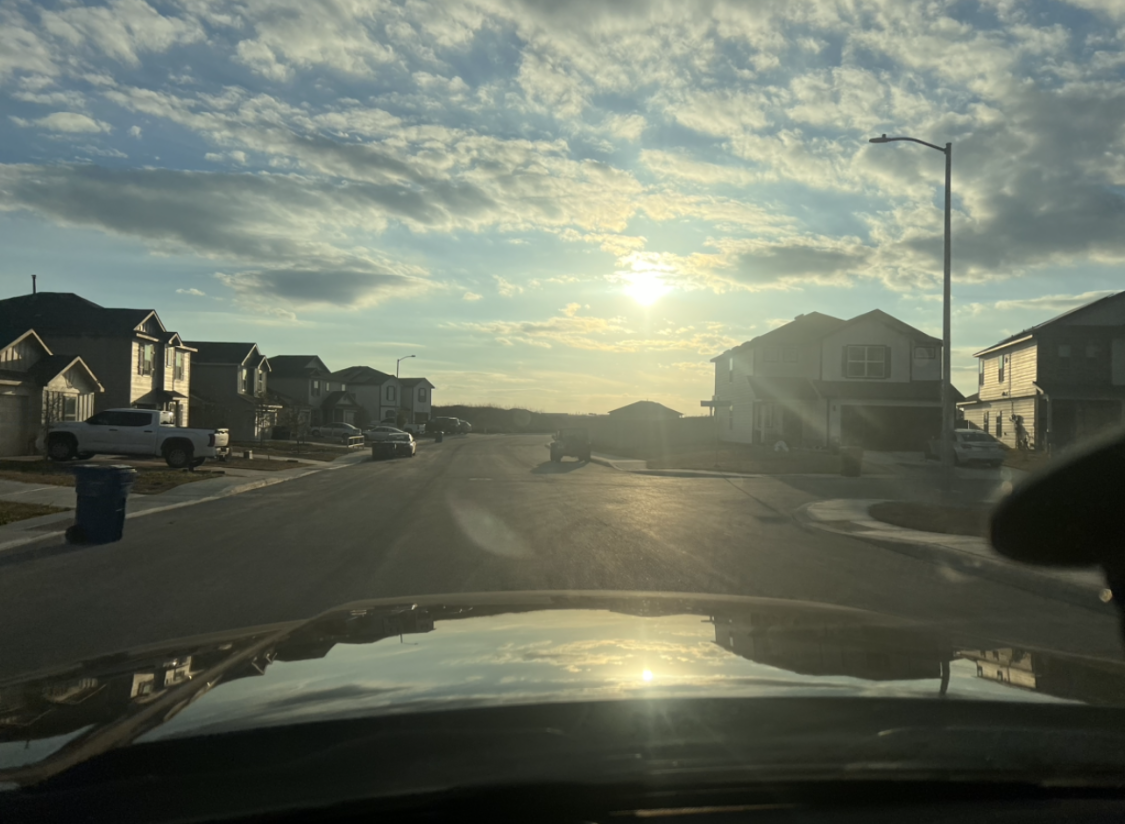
[[985, 420], [790, 354], [316, 389], [980, 373], [179, 365], [866, 361], [925, 352], [390, 393], [999, 426], [1000, 372], [771, 354], [146, 354], [730, 369], [421, 393], [246, 384], [167, 356]]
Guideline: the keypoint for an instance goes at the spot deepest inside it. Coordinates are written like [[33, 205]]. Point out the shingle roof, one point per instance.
[[64, 313], [295, 366], [802, 328], [646, 409], [361, 374], [1039, 326], [415, 382], [219, 351], [11, 332]]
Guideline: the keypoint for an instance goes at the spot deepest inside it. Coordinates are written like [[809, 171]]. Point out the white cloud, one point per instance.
[[506, 288], [72, 122], [121, 29], [1053, 303], [135, 131], [193, 291], [471, 296]]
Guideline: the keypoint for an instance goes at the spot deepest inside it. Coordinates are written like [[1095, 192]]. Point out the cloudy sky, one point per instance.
[[566, 206]]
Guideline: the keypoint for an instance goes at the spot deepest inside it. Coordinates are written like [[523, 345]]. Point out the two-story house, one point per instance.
[[816, 381], [229, 389], [301, 383], [378, 393], [1056, 383], [138, 361], [37, 388], [417, 399]]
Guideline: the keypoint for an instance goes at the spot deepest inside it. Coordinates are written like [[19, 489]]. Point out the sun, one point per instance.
[[646, 288]]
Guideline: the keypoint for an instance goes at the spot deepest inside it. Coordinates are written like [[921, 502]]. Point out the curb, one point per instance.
[[999, 571], [8, 555]]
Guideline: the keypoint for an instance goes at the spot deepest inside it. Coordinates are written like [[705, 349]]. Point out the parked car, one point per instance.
[[147, 432], [447, 426], [464, 426], [970, 446], [414, 429], [335, 431], [396, 444], [383, 432]]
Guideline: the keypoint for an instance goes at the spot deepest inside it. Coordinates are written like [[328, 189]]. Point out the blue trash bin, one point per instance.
[[99, 517]]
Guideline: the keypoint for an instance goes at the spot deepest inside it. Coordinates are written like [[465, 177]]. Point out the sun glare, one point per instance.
[[646, 288]]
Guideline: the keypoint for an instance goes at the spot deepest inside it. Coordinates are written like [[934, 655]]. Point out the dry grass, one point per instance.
[[748, 459], [149, 481], [274, 465], [11, 511], [282, 450], [951, 520]]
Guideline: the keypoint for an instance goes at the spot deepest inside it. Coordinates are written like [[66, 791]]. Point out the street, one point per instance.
[[487, 513]]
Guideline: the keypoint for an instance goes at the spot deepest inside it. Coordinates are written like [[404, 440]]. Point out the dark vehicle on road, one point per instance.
[[342, 432], [571, 443], [447, 426], [394, 445]]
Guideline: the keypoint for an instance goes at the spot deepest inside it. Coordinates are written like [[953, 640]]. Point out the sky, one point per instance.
[[564, 206]]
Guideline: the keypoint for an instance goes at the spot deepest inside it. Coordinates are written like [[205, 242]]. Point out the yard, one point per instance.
[[11, 511], [739, 458], [150, 480], [284, 450], [951, 520]]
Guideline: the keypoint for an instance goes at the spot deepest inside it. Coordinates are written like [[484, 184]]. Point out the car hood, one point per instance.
[[445, 652]]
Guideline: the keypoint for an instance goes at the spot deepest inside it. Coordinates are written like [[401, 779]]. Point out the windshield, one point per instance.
[[671, 298]]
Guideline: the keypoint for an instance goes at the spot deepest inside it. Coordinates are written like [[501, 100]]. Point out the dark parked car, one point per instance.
[[447, 426]]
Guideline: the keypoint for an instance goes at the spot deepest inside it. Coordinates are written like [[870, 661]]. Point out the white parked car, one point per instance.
[[383, 432], [971, 446], [335, 431], [136, 432]]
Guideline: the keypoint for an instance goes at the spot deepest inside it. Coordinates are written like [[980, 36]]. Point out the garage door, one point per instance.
[[890, 428], [13, 425]]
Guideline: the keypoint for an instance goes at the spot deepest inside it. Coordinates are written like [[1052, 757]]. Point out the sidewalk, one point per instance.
[[20, 533], [964, 553], [640, 467]]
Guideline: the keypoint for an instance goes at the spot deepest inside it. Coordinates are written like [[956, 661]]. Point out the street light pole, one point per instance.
[[400, 360], [946, 331]]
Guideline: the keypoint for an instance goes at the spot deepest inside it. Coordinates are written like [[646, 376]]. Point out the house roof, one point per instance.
[[412, 382], [878, 314], [46, 369], [362, 375], [815, 325], [339, 398], [646, 409], [65, 313], [221, 352], [13, 333], [1032, 330], [297, 366]]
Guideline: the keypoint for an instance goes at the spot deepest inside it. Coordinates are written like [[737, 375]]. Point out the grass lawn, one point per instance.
[[745, 458], [273, 465], [11, 511], [150, 480], [952, 520]]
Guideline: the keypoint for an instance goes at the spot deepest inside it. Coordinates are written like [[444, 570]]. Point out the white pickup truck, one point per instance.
[[136, 432]]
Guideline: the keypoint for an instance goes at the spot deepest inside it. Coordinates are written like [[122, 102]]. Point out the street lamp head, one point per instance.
[[883, 139]]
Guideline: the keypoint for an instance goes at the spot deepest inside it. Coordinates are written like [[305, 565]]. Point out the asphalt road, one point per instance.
[[486, 513]]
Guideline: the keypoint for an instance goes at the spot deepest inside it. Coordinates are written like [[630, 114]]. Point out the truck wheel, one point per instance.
[[61, 448], [178, 455]]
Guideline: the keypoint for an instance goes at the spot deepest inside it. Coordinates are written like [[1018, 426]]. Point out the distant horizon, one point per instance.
[[563, 204]]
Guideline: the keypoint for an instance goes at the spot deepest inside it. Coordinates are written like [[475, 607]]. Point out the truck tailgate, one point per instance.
[[222, 437]]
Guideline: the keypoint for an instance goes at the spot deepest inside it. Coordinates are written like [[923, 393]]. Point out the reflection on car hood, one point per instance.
[[485, 650]]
